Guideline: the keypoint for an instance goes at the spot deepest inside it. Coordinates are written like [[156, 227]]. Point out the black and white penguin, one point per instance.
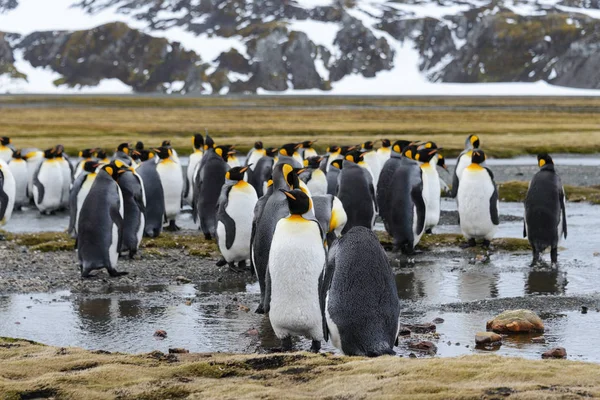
[[384, 152], [174, 155], [67, 174], [123, 153], [256, 153], [307, 151], [545, 215], [234, 218], [463, 161], [6, 149], [401, 196], [263, 171], [296, 262], [34, 158], [291, 150], [273, 207], [357, 193], [102, 157], [171, 179], [361, 301], [85, 155], [330, 213], [79, 191], [100, 226], [315, 176], [333, 176], [134, 208], [194, 161], [232, 158], [371, 158], [477, 200], [155, 198], [7, 193], [18, 168], [428, 159], [48, 183], [208, 183]]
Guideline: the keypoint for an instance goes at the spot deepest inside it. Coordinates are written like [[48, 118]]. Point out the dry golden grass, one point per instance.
[[517, 191], [507, 126], [34, 371]]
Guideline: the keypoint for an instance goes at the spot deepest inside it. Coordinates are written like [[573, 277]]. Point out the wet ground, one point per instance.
[[214, 311]]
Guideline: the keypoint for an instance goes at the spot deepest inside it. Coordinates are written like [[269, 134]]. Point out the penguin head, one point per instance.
[[385, 143], [347, 149], [166, 143], [4, 140], [136, 155], [209, 143], [124, 147], [163, 152], [442, 162], [139, 146], [111, 170], [544, 159], [293, 177], [223, 151], [472, 142], [17, 155], [313, 162], [198, 141], [289, 149], [355, 156], [100, 154], [400, 145], [368, 145], [258, 145], [59, 150], [410, 151], [299, 202], [337, 164], [50, 153], [90, 166], [425, 155], [333, 149], [146, 155], [236, 174], [478, 157], [87, 153], [428, 145], [271, 151], [308, 144]]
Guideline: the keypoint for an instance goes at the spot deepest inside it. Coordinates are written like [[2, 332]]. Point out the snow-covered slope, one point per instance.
[[370, 47]]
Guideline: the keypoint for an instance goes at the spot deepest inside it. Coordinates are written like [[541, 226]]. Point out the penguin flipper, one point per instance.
[[325, 285], [73, 203], [3, 197], [117, 219], [419, 202], [229, 223], [455, 182], [267, 300], [40, 188], [563, 210], [494, 207]]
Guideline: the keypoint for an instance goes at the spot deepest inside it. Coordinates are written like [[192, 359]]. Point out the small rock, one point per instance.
[[558, 352], [424, 346], [412, 355], [243, 308], [516, 321], [178, 351], [160, 334], [404, 332], [252, 332], [584, 309], [538, 339], [487, 338], [182, 279], [597, 254], [438, 321], [420, 328], [188, 303]]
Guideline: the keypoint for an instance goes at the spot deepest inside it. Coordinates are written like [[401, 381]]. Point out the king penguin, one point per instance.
[[134, 209], [155, 198], [34, 158], [18, 167], [333, 173], [478, 202], [7, 193], [123, 153], [79, 191], [428, 158], [234, 218], [255, 154], [315, 176], [194, 161], [361, 300], [357, 193], [545, 215], [171, 179], [174, 155], [291, 150], [85, 155], [307, 150], [384, 152], [263, 171], [463, 161], [100, 226], [48, 183], [294, 275], [6, 149], [371, 158], [330, 213], [67, 173], [102, 157]]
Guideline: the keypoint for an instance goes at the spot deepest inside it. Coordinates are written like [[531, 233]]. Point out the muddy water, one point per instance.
[[446, 283]]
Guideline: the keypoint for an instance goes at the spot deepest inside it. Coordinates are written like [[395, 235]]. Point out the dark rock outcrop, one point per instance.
[[7, 58]]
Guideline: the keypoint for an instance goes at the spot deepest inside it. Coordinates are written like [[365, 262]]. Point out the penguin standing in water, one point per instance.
[[307, 151], [7, 193], [207, 189], [402, 197], [67, 174], [134, 208], [463, 161], [48, 184], [315, 176], [154, 197], [357, 193], [384, 152], [18, 168], [333, 173], [100, 226], [294, 275], [255, 154], [372, 160], [478, 202], [361, 300], [6, 149], [234, 218], [427, 156], [194, 161], [79, 191], [85, 155], [263, 171], [545, 215], [171, 179], [123, 153]]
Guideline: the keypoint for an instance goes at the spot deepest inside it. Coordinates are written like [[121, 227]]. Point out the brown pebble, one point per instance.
[[558, 352], [160, 334], [538, 339], [243, 308], [178, 351]]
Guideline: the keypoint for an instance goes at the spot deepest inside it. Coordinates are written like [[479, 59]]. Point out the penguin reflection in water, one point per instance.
[[296, 262], [545, 215]]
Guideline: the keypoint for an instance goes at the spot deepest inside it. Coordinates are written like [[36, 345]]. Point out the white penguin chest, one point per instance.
[[317, 183], [463, 162]]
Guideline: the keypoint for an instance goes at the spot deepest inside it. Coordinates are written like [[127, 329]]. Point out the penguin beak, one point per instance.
[[288, 194], [245, 169]]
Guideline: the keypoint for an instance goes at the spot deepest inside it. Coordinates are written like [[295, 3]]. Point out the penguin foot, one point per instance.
[[260, 309], [207, 236], [235, 269], [221, 262], [469, 244], [316, 346], [114, 273], [428, 232], [486, 244], [172, 227], [132, 254], [286, 343]]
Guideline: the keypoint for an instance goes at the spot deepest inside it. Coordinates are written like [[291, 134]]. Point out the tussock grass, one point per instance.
[[517, 191], [508, 126], [30, 369]]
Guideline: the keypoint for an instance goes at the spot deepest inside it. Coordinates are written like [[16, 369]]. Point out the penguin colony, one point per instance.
[[303, 221]]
